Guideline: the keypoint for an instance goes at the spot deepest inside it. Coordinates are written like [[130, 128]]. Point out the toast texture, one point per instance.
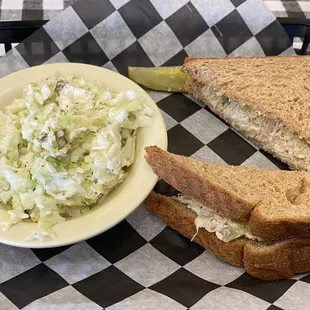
[[276, 86], [261, 98], [276, 204], [271, 136], [266, 261]]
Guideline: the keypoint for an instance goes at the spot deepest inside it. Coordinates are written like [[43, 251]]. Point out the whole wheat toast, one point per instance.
[[275, 203], [266, 261], [266, 99], [275, 86]]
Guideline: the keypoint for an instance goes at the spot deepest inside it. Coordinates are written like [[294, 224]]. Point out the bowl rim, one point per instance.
[[122, 194]]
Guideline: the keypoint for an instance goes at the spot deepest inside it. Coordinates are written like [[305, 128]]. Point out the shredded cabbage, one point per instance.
[[63, 145]]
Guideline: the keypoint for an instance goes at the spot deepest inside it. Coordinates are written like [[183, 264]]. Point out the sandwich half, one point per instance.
[[251, 217], [266, 99]]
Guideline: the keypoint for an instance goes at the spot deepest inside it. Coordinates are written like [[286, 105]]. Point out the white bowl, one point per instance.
[[126, 197]]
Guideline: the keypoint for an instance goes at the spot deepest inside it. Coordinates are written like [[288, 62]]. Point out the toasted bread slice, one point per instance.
[[266, 99], [275, 203], [267, 261]]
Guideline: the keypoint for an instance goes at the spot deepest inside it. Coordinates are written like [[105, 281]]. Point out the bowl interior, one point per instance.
[[123, 199]]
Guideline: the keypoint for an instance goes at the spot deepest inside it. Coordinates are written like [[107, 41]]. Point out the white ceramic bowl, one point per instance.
[[125, 198]]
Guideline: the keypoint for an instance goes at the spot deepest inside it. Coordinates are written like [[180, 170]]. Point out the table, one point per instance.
[[47, 9], [141, 263]]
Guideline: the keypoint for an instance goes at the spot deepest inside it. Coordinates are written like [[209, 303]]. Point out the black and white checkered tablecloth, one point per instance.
[[47, 9], [141, 263]]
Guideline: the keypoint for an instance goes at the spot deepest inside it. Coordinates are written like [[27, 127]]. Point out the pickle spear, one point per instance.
[[169, 79]]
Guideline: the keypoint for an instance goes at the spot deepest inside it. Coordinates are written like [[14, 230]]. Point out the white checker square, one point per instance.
[[167, 8], [11, 15], [147, 300], [206, 45], [305, 6], [2, 50], [77, 263], [50, 14], [109, 65], [157, 95], [212, 269], [66, 298], [12, 5], [119, 3], [6, 303], [275, 6], [258, 160], [249, 48], [288, 52], [256, 22], [160, 44], [225, 298], [12, 62], [169, 121], [297, 297], [14, 261], [53, 4], [113, 35], [204, 126], [206, 154], [61, 28], [213, 10], [58, 58], [147, 265], [145, 223]]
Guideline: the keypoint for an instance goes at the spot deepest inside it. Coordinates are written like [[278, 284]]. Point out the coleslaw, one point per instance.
[[64, 144]]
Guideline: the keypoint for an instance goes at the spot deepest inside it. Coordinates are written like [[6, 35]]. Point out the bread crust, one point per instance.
[[271, 216], [275, 86], [193, 185], [272, 261]]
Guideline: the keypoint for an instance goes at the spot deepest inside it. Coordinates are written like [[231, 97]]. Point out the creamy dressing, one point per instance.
[[225, 229], [276, 137]]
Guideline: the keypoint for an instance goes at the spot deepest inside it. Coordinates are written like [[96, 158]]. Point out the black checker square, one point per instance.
[[45, 254], [31, 285], [178, 106], [273, 307], [236, 3], [182, 142], [306, 279], [134, 56], [183, 21], [176, 60], [166, 189], [108, 287], [231, 148], [86, 50], [117, 242], [232, 37], [92, 12], [176, 247], [184, 287], [268, 291], [37, 48], [140, 16], [273, 39]]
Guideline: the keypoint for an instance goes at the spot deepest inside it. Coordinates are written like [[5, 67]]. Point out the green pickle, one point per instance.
[[168, 79]]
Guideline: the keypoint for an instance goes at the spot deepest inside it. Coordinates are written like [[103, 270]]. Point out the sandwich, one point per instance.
[[251, 217], [266, 99]]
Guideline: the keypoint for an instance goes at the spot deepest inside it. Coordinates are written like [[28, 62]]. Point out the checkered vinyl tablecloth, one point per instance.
[[47, 9], [141, 263]]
